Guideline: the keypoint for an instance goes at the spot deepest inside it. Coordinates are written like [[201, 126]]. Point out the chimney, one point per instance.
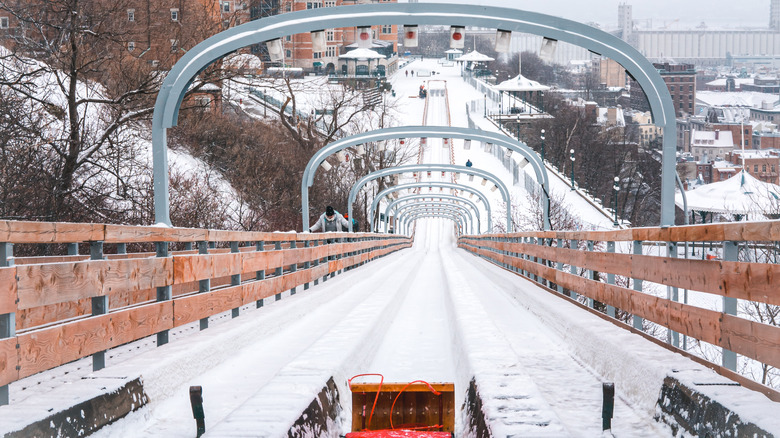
[[717, 134]]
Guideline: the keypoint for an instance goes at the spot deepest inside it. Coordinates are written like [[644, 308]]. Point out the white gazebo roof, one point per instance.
[[454, 51], [740, 194], [362, 54], [521, 83], [474, 57]]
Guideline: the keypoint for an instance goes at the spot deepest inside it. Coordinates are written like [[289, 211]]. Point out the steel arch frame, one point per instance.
[[453, 199], [197, 59], [447, 185], [385, 134], [463, 211], [410, 217], [432, 167]]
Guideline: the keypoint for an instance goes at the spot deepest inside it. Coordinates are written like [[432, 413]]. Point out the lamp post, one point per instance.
[[542, 146], [485, 101], [572, 168], [615, 190]]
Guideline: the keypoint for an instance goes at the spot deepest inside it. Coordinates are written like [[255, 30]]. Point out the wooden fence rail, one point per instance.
[[553, 258], [57, 309]]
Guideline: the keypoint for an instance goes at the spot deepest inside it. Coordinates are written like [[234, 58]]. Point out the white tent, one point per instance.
[[474, 57], [741, 194], [362, 55], [521, 83]]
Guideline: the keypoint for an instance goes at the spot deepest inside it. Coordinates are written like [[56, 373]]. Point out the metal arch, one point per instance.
[[433, 167], [453, 199], [498, 139], [202, 55], [463, 187], [449, 203], [464, 224], [406, 220], [464, 212]]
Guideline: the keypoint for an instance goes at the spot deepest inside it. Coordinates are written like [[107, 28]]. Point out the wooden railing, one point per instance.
[[56, 309], [555, 259]]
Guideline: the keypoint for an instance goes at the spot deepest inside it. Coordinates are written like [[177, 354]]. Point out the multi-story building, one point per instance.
[[711, 145], [762, 165], [680, 80], [648, 132], [610, 73]]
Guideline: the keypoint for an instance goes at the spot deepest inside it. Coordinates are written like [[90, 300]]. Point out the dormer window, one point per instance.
[[175, 14]]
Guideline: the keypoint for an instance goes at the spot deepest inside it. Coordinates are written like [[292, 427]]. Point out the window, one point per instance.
[[313, 5], [131, 15], [763, 168], [690, 87], [330, 51], [671, 88], [387, 29], [203, 101], [175, 14], [288, 38], [773, 168], [330, 3], [755, 168], [317, 55], [288, 53], [330, 35], [130, 46], [226, 7], [4, 23]]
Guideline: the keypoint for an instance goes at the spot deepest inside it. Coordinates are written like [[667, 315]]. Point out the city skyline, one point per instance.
[[670, 13]]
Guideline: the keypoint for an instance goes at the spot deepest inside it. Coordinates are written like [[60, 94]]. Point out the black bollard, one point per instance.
[[608, 407], [196, 399]]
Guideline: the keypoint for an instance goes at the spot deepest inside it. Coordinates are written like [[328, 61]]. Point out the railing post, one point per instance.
[[307, 263], [188, 246], [575, 245], [294, 266], [591, 275], [559, 266], [99, 305], [279, 271], [542, 242], [611, 279], [164, 293], [7, 320], [637, 250], [259, 275], [121, 248], [73, 249], [672, 293], [730, 254], [205, 284], [316, 261], [235, 279]]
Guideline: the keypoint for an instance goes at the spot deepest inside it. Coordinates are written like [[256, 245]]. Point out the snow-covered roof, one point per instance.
[[721, 82], [243, 60], [362, 54], [521, 83], [454, 51], [750, 99], [721, 139], [740, 194], [474, 57]]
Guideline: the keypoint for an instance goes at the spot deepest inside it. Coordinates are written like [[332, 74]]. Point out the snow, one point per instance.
[[432, 312]]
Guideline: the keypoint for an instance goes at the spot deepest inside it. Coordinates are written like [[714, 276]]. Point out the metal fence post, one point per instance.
[[294, 266], [316, 261], [637, 250], [730, 254], [235, 279], [307, 263], [591, 275], [205, 284], [559, 266], [672, 293], [545, 281], [99, 305], [575, 245], [279, 271], [611, 279], [7, 320], [73, 249], [259, 275], [164, 293], [121, 248]]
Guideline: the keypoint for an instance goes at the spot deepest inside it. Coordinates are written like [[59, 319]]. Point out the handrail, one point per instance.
[[47, 304]]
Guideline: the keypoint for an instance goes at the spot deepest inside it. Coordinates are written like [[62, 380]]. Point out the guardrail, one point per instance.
[[57, 309], [554, 259]]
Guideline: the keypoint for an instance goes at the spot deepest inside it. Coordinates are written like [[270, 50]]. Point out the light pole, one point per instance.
[[572, 168], [542, 145], [615, 190], [485, 105]]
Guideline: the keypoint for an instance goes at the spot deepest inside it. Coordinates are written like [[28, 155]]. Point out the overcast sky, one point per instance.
[[715, 13]]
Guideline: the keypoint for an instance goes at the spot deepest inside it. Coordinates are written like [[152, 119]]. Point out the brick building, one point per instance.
[[680, 80], [762, 165]]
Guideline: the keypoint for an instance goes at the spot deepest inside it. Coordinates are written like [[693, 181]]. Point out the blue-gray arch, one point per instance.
[[178, 80], [436, 184], [385, 134], [407, 219], [440, 197], [422, 206], [433, 167]]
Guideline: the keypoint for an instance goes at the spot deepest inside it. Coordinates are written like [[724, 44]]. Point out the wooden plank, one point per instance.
[[194, 307], [398, 386], [262, 260], [136, 274], [130, 233], [45, 349], [9, 359], [189, 268], [751, 339], [224, 265], [48, 259], [49, 232], [8, 294]]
